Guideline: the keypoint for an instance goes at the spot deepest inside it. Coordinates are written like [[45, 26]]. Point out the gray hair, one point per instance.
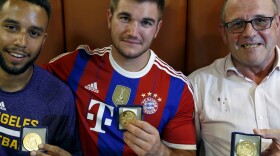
[[275, 8]]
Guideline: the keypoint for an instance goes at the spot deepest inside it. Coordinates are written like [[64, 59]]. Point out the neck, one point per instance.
[[256, 76], [131, 64], [256, 73], [13, 83]]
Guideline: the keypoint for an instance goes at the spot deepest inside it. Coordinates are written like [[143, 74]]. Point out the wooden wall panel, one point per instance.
[[204, 42], [86, 23], [54, 44], [170, 45]]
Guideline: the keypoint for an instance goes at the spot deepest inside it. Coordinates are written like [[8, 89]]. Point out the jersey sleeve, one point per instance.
[[179, 133], [62, 65]]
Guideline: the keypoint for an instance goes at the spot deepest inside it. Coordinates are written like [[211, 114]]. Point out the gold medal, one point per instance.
[[31, 141], [127, 116], [246, 148]]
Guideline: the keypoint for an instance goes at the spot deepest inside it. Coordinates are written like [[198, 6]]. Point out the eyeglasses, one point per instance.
[[260, 23]]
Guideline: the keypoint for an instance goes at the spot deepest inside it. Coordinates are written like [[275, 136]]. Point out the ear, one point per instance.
[[109, 18], [44, 38], [223, 32], [277, 20], [158, 28]]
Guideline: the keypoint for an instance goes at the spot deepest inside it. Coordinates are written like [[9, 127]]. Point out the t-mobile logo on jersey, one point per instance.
[[99, 115]]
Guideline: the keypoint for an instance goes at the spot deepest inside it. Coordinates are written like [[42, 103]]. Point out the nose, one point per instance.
[[132, 28], [249, 30], [21, 40]]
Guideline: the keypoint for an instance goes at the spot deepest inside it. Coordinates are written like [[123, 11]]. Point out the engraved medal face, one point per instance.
[[121, 95], [127, 117], [31, 141], [246, 148]]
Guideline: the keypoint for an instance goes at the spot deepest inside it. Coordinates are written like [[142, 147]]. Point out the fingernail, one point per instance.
[[40, 146], [32, 153]]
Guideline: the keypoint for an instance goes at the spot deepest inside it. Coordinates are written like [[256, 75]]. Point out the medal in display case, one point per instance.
[[31, 137], [128, 114], [243, 144]]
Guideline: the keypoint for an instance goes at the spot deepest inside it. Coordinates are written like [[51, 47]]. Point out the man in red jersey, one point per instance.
[[129, 74]]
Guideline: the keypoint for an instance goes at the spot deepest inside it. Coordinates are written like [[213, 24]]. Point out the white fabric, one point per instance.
[[226, 101], [138, 74]]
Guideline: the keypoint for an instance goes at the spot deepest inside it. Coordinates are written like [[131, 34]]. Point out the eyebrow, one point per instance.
[[258, 16], [129, 15], [9, 20], [124, 14], [150, 19], [37, 28]]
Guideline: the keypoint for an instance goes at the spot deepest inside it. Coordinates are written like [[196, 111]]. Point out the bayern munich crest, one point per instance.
[[150, 103]]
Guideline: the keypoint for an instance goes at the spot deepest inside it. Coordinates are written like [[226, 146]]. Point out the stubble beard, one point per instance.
[[129, 56], [14, 70]]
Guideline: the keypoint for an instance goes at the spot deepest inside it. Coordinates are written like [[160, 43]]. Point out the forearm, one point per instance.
[[167, 151]]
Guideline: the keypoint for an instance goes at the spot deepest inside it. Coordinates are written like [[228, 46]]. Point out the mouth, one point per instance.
[[132, 41], [17, 55], [251, 45]]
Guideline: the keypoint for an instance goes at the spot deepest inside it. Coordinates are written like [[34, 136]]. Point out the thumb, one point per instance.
[[264, 133], [261, 132], [268, 133]]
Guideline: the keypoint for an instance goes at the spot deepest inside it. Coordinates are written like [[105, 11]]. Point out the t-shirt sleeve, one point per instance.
[[67, 135]]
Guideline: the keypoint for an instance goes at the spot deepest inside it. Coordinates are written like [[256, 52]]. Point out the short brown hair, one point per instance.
[[160, 4]]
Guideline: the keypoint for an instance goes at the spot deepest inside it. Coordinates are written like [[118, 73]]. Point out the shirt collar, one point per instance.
[[229, 67], [277, 63]]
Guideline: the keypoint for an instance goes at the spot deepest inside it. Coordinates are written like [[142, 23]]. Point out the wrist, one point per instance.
[[164, 150]]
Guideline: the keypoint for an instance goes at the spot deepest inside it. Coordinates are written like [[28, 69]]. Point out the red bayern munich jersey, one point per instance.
[[101, 86]]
